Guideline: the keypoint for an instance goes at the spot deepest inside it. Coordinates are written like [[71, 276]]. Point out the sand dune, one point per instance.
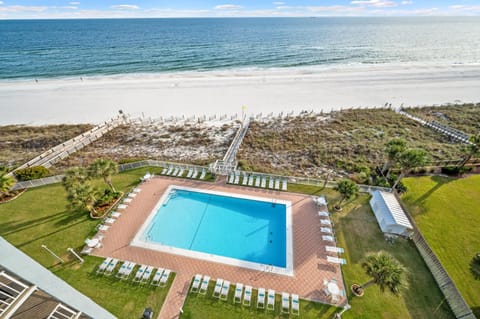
[[95, 99]]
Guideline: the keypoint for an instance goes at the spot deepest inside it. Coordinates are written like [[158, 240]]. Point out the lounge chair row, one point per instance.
[[142, 275], [243, 294], [258, 181], [179, 171]]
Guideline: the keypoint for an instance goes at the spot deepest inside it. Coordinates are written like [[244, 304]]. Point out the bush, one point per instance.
[[107, 196], [131, 160], [455, 170], [30, 173]]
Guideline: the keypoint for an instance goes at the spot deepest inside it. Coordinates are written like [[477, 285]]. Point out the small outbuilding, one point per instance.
[[390, 215]]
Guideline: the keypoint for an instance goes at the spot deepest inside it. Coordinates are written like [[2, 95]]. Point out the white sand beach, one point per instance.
[[94, 99]]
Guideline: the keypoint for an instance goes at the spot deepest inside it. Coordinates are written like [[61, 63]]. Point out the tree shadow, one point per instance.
[[71, 216], [439, 182], [15, 226], [59, 230]]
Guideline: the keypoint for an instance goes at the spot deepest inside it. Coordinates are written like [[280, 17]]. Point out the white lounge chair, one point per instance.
[[250, 180], [261, 298], [115, 214], [122, 269], [257, 181], [196, 283], [277, 183], [103, 265], [195, 173], [238, 293], [247, 296], [132, 195], [156, 277], [204, 173], [175, 171], [335, 260], [139, 274], [285, 302], [146, 275], [323, 214], [164, 278], [137, 190], [271, 299], [164, 171], [295, 305], [170, 170], [326, 230], [230, 178], [122, 206], [225, 290], [245, 179], [284, 184], [264, 182], [328, 238], [218, 288], [180, 173], [325, 222], [190, 172], [102, 227], [109, 221], [270, 182], [129, 270], [204, 286], [333, 249], [127, 200], [111, 267], [237, 179]]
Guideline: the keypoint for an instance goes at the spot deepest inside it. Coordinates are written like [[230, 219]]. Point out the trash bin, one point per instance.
[[147, 313]]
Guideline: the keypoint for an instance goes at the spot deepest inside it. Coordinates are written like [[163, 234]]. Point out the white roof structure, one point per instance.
[[390, 215]]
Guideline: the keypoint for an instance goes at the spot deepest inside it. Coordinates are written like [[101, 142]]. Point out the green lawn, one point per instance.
[[39, 216], [447, 211], [357, 231]]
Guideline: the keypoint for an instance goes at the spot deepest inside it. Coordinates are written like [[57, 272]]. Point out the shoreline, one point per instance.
[[95, 99]]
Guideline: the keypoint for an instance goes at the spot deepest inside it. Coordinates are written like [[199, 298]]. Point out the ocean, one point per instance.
[[37, 49]]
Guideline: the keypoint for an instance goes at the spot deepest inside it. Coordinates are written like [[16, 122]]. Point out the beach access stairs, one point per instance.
[[451, 133], [229, 164], [63, 150]]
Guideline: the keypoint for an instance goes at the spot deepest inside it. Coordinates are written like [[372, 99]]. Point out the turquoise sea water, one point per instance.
[[73, 48], [232, 227]]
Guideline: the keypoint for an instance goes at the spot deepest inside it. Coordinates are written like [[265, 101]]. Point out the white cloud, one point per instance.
[[19, 9], [125, 7], [70, 7], [334, 9], [74, 3], [278, 3], [1, 2], [464, 8], [375, 3], [227, 7], [406, 2]]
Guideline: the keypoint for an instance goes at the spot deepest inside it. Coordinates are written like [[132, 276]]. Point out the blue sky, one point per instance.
[[14, 9]]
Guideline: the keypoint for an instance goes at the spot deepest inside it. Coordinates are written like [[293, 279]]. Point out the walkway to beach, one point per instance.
[[310, 265]]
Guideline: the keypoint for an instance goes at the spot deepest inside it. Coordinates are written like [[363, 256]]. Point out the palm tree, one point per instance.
[[6, 182], [409, 159], [83, 196], [104, 168], [74, 177], [385, 271], [347, 189], [472, 149], [392, 149]]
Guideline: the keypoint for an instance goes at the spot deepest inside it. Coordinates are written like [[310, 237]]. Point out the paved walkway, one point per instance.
[[310, 265]]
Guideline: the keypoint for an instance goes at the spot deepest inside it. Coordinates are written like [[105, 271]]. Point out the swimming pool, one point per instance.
[[246, 231]]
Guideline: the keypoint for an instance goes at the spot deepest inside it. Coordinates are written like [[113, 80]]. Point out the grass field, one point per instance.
[[447, 212], [357, 231], [39, 217]]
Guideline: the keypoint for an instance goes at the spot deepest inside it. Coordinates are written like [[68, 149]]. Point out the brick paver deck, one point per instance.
[[310, 265]]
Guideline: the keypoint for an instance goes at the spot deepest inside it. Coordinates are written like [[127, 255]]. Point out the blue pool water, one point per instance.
[[249, 230]]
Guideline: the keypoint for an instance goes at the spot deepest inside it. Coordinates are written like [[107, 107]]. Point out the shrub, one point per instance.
[[107, 196], [455, 170], [131, 160], [30, 173]]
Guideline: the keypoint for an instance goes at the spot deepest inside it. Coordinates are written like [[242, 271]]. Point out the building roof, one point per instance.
[[391, 209]]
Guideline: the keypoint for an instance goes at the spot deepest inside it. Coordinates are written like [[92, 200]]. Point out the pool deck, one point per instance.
[[310, 265]]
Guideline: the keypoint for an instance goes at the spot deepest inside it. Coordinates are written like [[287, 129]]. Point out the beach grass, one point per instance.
[[39, 217], [447, 211], [461, 117], [347, 140]]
